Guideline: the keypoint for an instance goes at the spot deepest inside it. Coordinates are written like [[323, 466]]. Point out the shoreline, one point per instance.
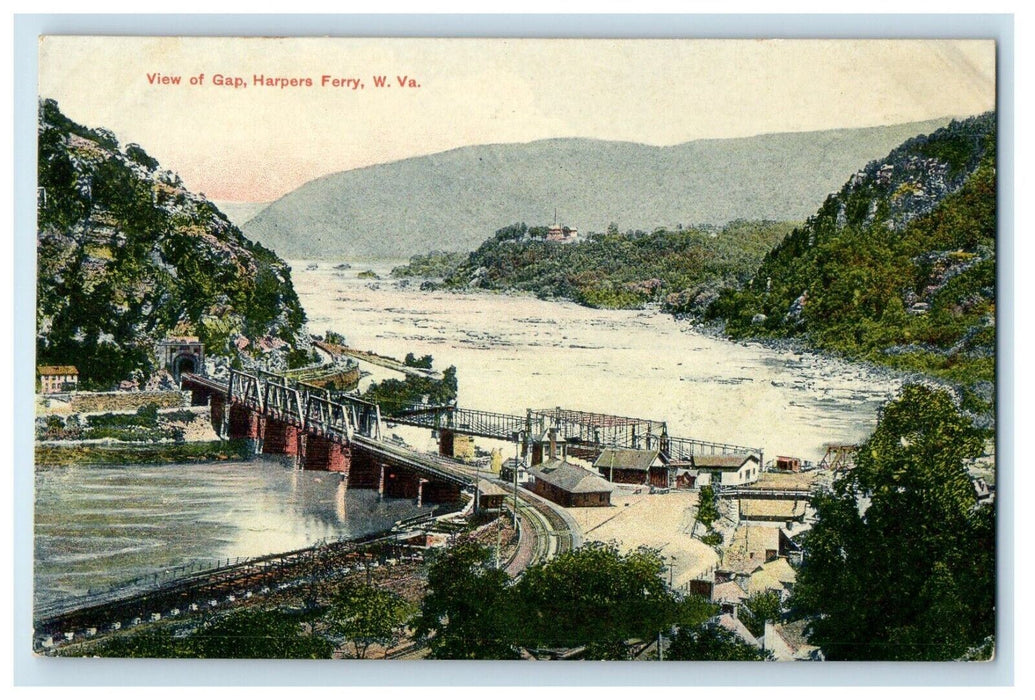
[[99, 455], [715, 330]]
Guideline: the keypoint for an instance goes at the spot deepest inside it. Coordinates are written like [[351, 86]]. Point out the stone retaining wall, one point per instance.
[[91, 402]]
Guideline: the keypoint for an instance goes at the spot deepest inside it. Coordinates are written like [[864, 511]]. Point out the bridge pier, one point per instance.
[[281, 438], [324, 454], [199, 396], [445, 442], [245, 424], [364, 471], [217, 412]]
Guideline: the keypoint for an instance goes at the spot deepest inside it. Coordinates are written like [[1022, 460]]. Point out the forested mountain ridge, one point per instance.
[[126, 255], [449, 201], [898, 267]]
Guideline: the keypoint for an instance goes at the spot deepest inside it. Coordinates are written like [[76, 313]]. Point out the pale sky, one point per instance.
[[258, 143]]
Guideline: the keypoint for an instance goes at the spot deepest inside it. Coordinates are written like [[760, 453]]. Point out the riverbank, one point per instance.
[[167, 453], [301, 585]]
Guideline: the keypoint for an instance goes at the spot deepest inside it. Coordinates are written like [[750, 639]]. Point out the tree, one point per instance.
[[760, 609], [151, 643], [466, 611], [252, 633], [911, 574], [710, 642], [367, 615], [707, 506], [599, 598]]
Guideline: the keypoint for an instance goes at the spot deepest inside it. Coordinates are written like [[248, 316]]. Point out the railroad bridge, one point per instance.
[[279, 416], [585, 434]]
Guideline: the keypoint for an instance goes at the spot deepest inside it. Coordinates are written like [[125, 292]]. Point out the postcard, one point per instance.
[[555, 349]]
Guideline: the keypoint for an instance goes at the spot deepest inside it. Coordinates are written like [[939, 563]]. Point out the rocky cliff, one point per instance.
[[127, 256]]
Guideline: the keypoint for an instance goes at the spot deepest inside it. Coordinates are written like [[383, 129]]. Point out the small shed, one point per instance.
[[569, 485], [684, 474], [490, 495], [629, 466]]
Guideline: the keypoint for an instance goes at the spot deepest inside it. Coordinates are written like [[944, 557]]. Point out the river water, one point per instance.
[[99, 526], [102, 525], [515, 352]]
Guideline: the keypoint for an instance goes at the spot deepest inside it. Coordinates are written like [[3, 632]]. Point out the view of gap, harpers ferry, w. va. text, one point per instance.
[[516, 349]]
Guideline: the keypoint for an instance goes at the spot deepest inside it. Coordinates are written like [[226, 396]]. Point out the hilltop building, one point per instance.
[[562, 234]]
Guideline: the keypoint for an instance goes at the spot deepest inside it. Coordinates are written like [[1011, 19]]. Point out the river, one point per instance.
[[514, 352], [103, 525]]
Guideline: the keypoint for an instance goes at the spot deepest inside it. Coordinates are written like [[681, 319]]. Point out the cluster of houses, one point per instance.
[[764, 511], [756, 561], [553, 476]]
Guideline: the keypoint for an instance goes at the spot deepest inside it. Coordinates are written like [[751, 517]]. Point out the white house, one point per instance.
[[727, 470]]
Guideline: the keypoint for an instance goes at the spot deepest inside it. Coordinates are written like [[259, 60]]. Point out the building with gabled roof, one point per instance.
[[728, 595], [569, 485], [772, 510], [727, 470], [490, 495], [749, 547], [622, 465], [762, 581], [788, 642], [781, 570], [57, 379], [738, 628]]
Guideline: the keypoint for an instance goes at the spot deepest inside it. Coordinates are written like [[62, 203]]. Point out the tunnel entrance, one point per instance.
[[182, 364], [181, 355]]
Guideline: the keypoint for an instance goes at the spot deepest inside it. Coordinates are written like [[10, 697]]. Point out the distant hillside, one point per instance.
[[126, 256], [897, 267], [448, 201]]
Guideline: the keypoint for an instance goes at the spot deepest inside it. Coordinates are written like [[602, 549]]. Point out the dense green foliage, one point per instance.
[[711, 642], [594, 598], [897, 268], [466, 612], [422, 362], [145, 425], [707, 506], [169, 453], [127, 256], [911, 574], [599, 598], [760, 609], [366, 615], [394, 395], [437, 265], [250, 633], [679, 268]]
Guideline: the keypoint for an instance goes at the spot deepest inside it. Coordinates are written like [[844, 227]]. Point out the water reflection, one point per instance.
[[100, 525]]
